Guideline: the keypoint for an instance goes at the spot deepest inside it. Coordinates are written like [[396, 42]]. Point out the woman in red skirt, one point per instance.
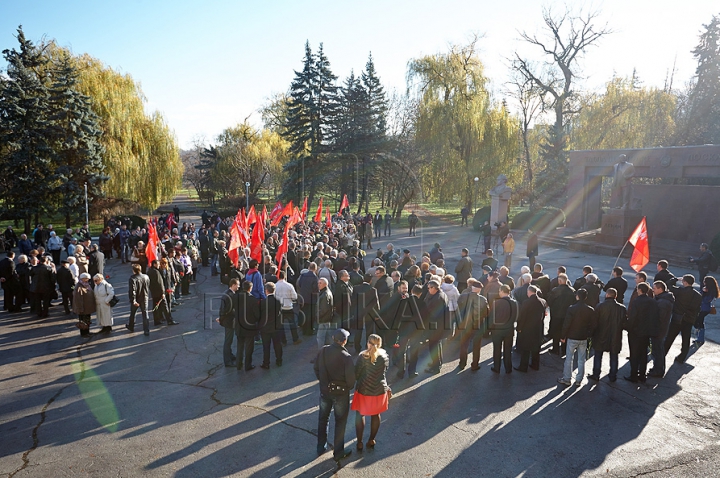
[[371, 392]]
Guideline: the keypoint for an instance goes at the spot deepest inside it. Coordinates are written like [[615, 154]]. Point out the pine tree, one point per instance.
[[77, 144], [377, 101], [702, 122], [27, 133]]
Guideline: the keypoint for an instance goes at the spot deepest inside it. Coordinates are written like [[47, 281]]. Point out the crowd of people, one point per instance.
[[324, 285]]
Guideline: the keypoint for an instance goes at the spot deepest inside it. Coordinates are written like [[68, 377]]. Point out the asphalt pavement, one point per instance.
[[128, 405]]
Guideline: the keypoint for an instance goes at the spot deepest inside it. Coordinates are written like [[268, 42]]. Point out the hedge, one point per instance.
[[482, 215], [544, 219]]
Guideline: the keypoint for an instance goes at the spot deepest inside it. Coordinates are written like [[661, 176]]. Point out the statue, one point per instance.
[[623, 173], [501, 187], [499, 201]]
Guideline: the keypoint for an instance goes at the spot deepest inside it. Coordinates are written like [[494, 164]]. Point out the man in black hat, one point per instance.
[[335, 371]]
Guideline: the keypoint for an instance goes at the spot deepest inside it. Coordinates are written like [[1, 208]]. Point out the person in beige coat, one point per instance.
[[104, 292], [81, 259], [84, 303]]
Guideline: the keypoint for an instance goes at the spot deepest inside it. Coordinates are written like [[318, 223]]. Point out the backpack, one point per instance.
[[713, 266]]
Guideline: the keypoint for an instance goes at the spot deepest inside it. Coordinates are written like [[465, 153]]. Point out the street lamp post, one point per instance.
[[247, 197], [475, 195]]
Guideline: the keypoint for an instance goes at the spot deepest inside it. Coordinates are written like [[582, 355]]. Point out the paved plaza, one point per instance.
[[127, 405]]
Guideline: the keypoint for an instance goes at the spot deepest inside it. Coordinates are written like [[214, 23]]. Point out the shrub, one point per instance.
[[544, 219], [136, 221], [482, 215]]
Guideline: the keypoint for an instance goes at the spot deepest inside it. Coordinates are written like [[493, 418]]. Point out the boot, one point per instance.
[[701, 336]]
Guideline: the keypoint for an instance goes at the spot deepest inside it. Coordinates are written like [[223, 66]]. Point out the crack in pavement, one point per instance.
[[43, 412]]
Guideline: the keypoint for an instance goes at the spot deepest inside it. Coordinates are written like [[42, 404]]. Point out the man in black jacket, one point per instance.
[[335, 372], [559, 300], [43, 278], [271, 327], [666, 303], [10, 283], [578, 326], [365, 311], [204, 245], [503, 314], [703, 261], [66, 284], [607, 336], [438, 314], [246, 318], [138, 292], [685, 312], [473, 310], [227, 320], [530, 328], [325, 311], [160, 308], [618, 283], [642, 324], [593, 290], [411, 328], [664, 274], [342, 298]]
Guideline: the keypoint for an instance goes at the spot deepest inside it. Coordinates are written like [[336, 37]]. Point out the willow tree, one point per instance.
[[625, 115], [141, 156], [463, 130]]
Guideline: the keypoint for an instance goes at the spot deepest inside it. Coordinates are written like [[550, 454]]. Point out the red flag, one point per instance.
[[328, 223], [276, 210], [243, 227], [641, 254], [294, 219], [151, 247], [256, 243], [318, 215], [287, 211], [264, 216], [251, 216], [344, 204], [236, 240], [282, 250], [304, 209]]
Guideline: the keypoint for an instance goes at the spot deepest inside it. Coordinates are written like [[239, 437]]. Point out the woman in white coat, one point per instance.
[[104, 292]]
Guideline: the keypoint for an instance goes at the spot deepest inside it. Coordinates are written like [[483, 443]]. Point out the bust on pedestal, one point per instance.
[[625, 213], [499, 200]]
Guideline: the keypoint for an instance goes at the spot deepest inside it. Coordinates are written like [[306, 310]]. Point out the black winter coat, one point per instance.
[[620, 285], [530, 324], [665, 301], [579, 322], [560, 299], [687, 304], [65, 280], [643, 319], [271, 315], [607, 336], [439, 314]]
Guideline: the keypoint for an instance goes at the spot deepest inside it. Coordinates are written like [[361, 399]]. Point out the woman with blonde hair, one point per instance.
[[371, 391]]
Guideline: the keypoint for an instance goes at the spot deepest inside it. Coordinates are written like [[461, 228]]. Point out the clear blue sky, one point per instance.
[[208, 65]]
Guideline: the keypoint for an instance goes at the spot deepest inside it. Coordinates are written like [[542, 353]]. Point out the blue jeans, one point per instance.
[[144, 311], [572, 346], [215, 264], [227, 345], [341, 405], [288, 317], [658, 353], [597, 364], [323, 332]]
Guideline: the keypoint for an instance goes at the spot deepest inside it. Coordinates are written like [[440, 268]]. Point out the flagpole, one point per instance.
[[618, 257]]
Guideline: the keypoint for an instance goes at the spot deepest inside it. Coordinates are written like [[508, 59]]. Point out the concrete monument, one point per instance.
[[499, 200]]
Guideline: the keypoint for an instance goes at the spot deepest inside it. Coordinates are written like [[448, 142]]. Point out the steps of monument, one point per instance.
[[675, 252]]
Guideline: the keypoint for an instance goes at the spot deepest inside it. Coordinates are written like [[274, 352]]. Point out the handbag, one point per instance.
[[113, 302], [713, 311], [82, 325]]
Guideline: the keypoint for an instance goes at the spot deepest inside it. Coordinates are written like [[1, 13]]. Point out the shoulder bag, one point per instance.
[[113, 302]]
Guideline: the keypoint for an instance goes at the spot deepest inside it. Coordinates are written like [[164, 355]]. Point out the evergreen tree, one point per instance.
[[27, 132], [702, 116], [77, 144], [313, 106], [377, 101]]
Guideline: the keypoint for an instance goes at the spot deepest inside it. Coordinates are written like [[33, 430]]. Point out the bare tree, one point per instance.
[[529, 101], [567, 37]]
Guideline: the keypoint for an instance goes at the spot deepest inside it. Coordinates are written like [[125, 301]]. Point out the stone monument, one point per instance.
[[623, 172], [499, 200]]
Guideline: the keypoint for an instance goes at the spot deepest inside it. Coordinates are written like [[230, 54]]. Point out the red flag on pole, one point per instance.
[[641, 254], [318, 215], [303, 211], [264, 216], [151, 247], [294, 219], [276, 210], [344, 204], [256, 243], [251, 216], [328, 223], [282, 250], [236, 240]]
